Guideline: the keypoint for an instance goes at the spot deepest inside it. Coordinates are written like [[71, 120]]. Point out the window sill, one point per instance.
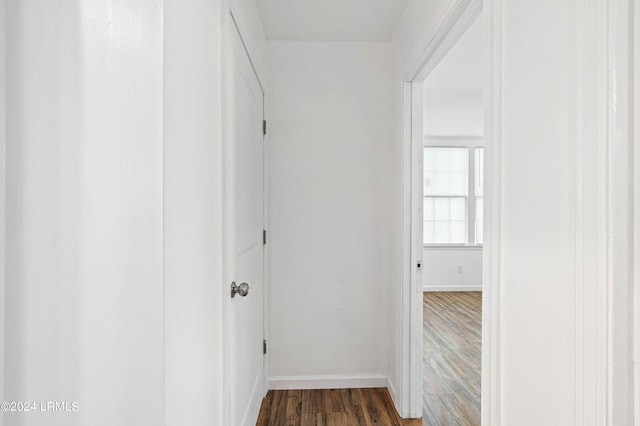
[[452, 247]]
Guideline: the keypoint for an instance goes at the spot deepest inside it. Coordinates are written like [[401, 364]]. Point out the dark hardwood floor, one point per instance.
[[330, 407], [451, 376], [451, 364]]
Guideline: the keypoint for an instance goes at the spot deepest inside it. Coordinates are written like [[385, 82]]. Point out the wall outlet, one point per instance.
[[459, 269]]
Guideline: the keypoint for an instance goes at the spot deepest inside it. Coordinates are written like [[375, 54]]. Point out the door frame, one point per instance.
[[233, 20], [457, 22], [636, 216], [606, 121]]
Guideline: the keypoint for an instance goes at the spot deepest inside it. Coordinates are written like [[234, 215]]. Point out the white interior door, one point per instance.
[[245, 186]]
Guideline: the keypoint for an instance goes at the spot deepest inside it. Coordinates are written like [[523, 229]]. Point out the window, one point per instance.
[[478, 192], [453, 196]]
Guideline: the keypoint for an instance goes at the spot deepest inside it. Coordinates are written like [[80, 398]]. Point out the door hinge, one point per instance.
[[264, 347], [264, 237], [264, 127]]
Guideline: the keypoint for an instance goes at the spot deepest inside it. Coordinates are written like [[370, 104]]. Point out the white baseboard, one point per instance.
[[392, 391], [452, 288], [329, 381]]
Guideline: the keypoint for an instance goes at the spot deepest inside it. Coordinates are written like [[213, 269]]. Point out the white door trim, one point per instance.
[[409, 400], [460, 18], [619, 102], [636, 214], [402, 394], [598, 122], [491, 332], [592, 139]]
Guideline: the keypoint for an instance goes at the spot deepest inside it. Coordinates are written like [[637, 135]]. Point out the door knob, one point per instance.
[[242, 289]]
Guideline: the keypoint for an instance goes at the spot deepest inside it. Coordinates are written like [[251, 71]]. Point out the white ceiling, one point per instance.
[[461, 70], [330, 20]]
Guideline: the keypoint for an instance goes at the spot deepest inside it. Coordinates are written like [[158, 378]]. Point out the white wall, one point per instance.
[[453, 90], [2, 195], [38, 273], [537, 229], [121, 218], [84, 210], [194, 285], [452, 269], [330, 212], [453, 114]]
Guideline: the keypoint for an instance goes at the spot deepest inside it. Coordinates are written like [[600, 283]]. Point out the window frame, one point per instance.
[[470, 143]]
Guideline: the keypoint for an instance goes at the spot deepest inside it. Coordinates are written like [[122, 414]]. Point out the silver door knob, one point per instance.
[[242, 289]]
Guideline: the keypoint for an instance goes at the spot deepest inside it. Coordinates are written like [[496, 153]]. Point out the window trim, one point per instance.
[[469, 143]]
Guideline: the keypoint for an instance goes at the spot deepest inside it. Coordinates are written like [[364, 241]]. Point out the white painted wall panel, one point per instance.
[[537, 216], [194, 285], [121, 286], [441, 269], [42, 310], [84, 210], [449, 114], [330, 208]]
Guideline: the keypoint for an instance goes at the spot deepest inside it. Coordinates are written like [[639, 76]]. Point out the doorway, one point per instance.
[[453, 153], [443, 208]]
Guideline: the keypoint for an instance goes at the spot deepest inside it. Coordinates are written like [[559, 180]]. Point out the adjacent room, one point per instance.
[[452, 232]]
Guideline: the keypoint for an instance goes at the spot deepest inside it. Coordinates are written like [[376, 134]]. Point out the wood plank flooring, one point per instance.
[[451, 365], [330, 407], [451, 378]]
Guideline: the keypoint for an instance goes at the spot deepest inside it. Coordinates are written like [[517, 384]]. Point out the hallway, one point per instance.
[[451, 377], [205, 202]]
